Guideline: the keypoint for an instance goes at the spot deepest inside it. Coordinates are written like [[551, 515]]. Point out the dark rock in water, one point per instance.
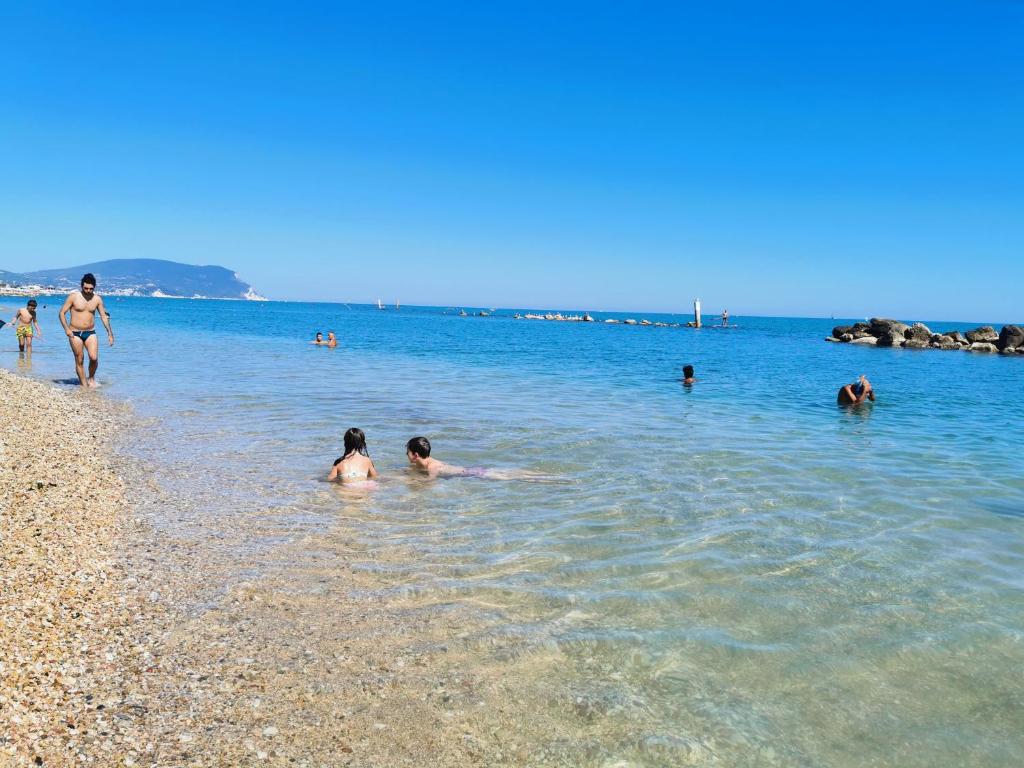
[[856, 330], [916, 344], [880, 326], [982, 346], [945, 342], [958, 337], [1011, 336], [1008, 351], [983, 333], [891, 338], [918, 332], [846, 337]]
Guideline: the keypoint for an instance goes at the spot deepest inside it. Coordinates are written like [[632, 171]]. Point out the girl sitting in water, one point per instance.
[[355, 465]]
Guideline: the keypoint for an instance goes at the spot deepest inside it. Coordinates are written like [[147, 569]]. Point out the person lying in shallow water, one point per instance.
[[355, 465], [856, 393], [417, 450]]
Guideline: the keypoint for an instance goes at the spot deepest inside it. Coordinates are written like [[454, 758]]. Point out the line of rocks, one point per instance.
[[882, 332]]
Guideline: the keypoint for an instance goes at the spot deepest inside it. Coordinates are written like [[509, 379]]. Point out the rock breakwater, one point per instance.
[[883, 332]]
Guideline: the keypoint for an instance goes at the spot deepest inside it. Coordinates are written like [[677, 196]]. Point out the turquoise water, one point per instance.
[[743, 568]]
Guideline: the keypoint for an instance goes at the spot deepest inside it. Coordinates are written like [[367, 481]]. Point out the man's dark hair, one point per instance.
[[688, 371], [419, 446], [89, 278]]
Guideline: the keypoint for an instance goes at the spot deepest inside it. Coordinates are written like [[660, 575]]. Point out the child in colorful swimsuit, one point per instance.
[[25, 321], [355, 466]]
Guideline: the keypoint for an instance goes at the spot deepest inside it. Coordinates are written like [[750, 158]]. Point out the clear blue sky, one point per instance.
[[798, 158]]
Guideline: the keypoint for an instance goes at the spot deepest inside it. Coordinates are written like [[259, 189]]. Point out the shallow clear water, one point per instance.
[[755, 570]]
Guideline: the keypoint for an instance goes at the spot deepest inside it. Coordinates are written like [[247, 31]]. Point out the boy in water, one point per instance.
[[24, 321], [417, 450], [688, 377]]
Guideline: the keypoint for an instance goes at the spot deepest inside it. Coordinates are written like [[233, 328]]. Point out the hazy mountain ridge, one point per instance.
[[142, 277]]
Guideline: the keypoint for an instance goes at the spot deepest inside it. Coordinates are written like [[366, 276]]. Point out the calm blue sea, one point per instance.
[[752, 566]]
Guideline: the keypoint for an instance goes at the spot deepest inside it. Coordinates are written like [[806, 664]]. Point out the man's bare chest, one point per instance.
[[81, 305]]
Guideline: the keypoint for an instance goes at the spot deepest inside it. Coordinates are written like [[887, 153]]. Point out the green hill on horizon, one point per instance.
[[142, 277]]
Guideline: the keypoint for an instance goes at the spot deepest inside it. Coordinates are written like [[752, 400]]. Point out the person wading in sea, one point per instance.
[[24, 321], [82, 305]]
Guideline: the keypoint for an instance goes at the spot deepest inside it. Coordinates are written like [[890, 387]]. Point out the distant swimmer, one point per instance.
[[83, 305], [355, 465], [688, 377], [24, 322], [319, 339], [332, 342], [856, 393], [417, 450], [725, 317]]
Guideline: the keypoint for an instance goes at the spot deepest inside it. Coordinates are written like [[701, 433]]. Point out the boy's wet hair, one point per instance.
[[419, 446], [688, 371], [89, 278], [355, 442], [31, 303]]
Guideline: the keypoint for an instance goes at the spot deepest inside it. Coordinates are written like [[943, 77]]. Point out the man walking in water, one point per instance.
[[82, 305]]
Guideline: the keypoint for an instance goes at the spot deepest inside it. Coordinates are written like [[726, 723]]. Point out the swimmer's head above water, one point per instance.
[[319, 337], [418, 446]]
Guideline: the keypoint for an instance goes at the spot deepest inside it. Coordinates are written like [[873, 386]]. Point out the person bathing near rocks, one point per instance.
[[355, 465], [856, 393], [81, 331], [24, 321]]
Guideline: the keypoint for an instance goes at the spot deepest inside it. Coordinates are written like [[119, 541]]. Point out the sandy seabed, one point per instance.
[[126, 643]]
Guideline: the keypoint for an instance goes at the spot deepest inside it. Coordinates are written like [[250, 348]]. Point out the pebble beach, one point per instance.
[[125, 645], [72, 647]]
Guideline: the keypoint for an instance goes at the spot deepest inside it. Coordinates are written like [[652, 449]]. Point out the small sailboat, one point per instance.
[[398, 304], [380, 304]]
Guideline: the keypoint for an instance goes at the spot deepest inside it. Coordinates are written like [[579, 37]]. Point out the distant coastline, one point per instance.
[[154, 278]]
